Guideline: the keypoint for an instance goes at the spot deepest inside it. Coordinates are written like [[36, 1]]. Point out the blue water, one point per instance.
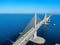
[[12, 24]]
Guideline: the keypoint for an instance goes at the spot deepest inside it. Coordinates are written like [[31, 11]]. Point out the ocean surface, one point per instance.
[[12, 24]]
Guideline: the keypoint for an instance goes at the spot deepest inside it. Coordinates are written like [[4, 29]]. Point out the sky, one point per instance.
[[29, 6]]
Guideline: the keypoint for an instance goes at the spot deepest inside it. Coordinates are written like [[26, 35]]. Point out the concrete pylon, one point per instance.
[[35, 34], [45, 19]]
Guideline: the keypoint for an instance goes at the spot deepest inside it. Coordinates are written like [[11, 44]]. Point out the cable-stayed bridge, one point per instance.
[[31, 34]]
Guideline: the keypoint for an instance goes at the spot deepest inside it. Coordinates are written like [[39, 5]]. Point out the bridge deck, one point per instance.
[[26, 36]]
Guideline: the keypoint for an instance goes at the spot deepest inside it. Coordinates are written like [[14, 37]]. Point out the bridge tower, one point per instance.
[[35, 34], [45, 19], [37, 39]]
